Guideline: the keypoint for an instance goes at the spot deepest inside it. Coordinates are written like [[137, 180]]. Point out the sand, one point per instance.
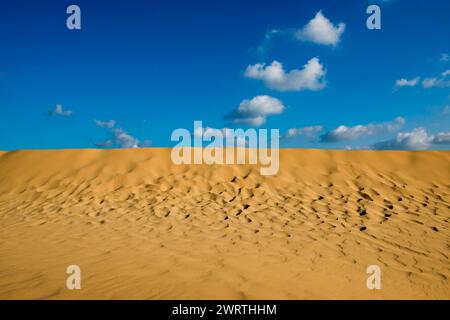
[[140, 227]]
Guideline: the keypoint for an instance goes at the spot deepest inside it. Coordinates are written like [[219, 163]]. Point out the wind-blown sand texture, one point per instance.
[[140, 227]]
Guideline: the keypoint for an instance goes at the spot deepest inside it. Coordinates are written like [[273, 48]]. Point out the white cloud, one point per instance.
[[321, 30], [344, 133], [309, 131], [407, 83], [445, 57], [437, 82], [311, 77], [124, 139], [417, 139], [429, 82], [120, 138], [255, 111], [442, 138], [441, 81], [58, 111], [105, 124]]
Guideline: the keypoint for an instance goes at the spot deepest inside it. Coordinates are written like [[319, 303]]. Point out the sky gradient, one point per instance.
[[137, 70]]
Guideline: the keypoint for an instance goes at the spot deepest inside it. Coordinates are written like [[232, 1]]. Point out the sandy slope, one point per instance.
[[140, 227]]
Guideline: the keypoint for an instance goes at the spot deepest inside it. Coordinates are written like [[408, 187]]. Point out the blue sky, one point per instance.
[[144, 68]]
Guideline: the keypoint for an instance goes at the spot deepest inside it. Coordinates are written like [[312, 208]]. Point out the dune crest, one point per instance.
[[140, 227]]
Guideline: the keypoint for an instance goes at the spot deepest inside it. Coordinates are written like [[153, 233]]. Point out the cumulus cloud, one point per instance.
[[442, 138], [407, 83], [445, 57], [119, 137], [417, 139], [255, 111], [309, 132], [321, 30], [311, 77], [345, 133], [59, 111], [124, 140]]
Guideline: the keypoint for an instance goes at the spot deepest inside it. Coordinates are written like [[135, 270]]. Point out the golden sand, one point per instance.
[[140, 227]]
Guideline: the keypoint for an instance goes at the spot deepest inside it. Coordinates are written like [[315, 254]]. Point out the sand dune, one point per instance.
[[140, 227]]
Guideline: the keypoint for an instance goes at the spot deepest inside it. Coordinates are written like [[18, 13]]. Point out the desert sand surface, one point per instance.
[[141, 227]]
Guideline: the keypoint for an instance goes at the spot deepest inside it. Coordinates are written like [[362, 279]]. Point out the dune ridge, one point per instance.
[[140, 227]]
